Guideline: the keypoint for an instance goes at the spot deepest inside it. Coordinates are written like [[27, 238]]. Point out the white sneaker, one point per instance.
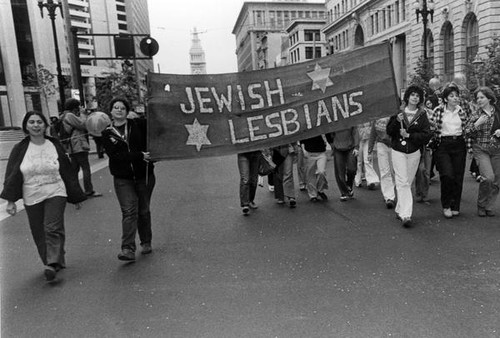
[[447, 213]]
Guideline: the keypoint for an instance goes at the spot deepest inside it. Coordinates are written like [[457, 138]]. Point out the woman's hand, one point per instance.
[[147, 156], [497, 133], [11, 208], [481, 120], [400, 117], [404, 133]]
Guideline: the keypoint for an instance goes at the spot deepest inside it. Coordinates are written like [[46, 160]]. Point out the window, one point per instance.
[[389, 16], [120, 8], [272, 19], [309, 53], [376, 23], [471, 39], [122, 17], [449, 58], [311, 35], [122, 26], [396, 12]]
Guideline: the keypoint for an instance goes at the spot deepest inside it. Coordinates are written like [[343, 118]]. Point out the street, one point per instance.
[[326, 269]]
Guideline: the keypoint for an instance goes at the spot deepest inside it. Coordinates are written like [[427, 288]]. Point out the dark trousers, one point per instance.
[[134, 197], [248, 166], [46, 221], [450, 162], [81, 160], [345, 164]]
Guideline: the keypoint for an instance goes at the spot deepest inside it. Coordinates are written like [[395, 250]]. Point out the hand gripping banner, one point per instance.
[[193, 116]]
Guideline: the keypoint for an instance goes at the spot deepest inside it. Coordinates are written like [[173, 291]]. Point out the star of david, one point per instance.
[[197, 134], [320, 78]]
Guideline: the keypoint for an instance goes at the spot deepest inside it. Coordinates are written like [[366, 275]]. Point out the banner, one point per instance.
[[193, 116]]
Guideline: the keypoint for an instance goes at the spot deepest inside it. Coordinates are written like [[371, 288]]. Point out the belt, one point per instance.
[[456, 137]]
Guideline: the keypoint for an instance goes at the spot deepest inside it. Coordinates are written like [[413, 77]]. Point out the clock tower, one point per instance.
[[197, 55]]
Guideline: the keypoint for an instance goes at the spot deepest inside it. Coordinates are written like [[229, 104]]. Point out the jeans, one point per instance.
[[365, 161], [345, 164], [301, 167], [315, 173], [450, 159], [248, 166], [405, 167], [488, 160], [423, 176], [81, 160], [46, 221], [284, 185], [134, 198], [384, 158]]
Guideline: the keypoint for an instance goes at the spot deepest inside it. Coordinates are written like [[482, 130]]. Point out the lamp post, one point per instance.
[[478, 64], [51, 8], [424, 8]]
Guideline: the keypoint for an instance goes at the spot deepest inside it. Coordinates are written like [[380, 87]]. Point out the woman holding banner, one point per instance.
[[409, 130], [125, 143]]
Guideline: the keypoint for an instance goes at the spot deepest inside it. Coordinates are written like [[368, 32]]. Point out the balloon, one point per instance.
[[97, 122], [434, 83], [459, 79]]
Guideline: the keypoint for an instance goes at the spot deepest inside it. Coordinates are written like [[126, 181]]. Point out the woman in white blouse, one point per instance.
[[39, 172], [450, 155]]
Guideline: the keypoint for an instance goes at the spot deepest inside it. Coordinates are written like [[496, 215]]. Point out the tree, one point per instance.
[[488, 72], [117, 84], [423, 73]]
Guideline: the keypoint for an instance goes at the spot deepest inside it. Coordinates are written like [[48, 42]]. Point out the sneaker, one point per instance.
[[271, 188], [126, 255], [479, 178], [455, 212], [252, 205], [292, 202], [490, 213], [481, 212], [350, 193], [406, 222], [313, 199], [344, 198], [146, 249], [50, 273], [389, 204], [447, 213], [280, 201], [323, 196], [302, 187], [372, 186], [245, 210], [93, 194]]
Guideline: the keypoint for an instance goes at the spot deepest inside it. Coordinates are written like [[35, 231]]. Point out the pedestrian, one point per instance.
[[409, 130], [450, 149], [39, 172], [284, 186], [78, 147], [248, 167], [125, 143], [314, 150], [365, 167], [484, 130], [345, 146], [382, 142], [301, 168]]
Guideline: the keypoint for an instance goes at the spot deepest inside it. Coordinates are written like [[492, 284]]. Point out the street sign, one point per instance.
[[149, 46]]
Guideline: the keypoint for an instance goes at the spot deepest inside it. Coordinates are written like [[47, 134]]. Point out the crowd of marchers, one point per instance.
[[429, 134]]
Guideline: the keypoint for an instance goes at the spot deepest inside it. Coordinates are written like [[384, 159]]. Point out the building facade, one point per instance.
[[27, 47], [261, 27]]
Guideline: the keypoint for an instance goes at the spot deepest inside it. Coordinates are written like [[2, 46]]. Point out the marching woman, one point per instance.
[[450, 152], [409, 131], [39, 172], [484, 130], [125, 144]]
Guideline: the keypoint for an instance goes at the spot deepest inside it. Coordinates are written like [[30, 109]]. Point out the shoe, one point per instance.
[[389, 204], [280, 201], [350, 194], [146, 249], [406, 222], [271, 188], [323, 196], [245, 210], [344, 198], [447, 213], [372, 186], [481, 212], [479, 178], [313, 199], [473, 174], [455, 213], [302, 187], [126, 255], [93, 194], [252, 205], [490, 213], [50, 273], [398, 217], [419, 199], [292, 202]]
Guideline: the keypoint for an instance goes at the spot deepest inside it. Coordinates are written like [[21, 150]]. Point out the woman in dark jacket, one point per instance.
[[39, 172], [409, 131], [125, 142]]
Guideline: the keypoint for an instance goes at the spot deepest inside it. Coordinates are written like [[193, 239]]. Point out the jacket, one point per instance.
[[346, 139], [13, 184], [126, 159], [75, 126], [419, 129]]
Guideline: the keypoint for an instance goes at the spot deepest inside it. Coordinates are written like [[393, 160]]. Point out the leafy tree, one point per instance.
[[423, 73], [117, 84], [488, 72]]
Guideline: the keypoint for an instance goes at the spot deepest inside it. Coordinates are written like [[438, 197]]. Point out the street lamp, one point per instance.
[[478, 63], [424, 8], [51, 8]]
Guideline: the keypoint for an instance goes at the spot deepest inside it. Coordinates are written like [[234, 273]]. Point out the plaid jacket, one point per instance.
[[481, 135], [437, 122]]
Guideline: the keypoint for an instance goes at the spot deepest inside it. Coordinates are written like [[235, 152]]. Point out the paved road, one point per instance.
[[322, 270]]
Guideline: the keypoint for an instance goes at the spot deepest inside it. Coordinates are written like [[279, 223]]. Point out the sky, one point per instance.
[[172, 23]]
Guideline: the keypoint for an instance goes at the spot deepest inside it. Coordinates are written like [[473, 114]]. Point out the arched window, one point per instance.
[[471, 38], [359, 37], [430, 49], [449, 52]]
